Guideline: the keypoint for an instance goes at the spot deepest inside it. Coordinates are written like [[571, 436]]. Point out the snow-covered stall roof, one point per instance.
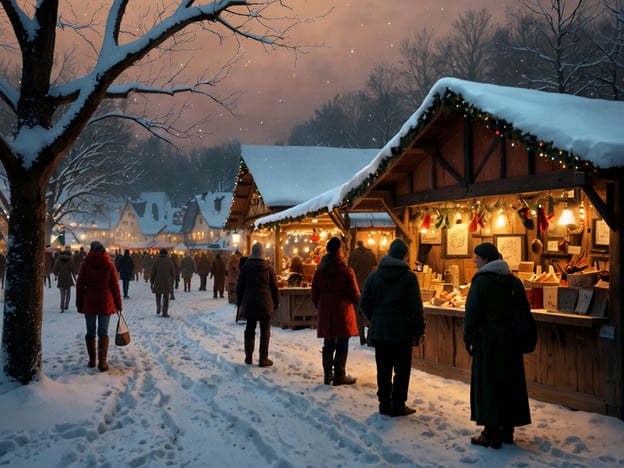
[[582, 133], [289, 175]]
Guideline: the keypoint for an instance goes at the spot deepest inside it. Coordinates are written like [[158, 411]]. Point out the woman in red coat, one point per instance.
[[97, 297], [335, 294]]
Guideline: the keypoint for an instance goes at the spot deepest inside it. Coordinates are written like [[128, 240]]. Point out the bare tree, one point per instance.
[[554, 43], [387, 107], [100, 164], [609, 39], [50, 118], [418, 67], [468, 51]]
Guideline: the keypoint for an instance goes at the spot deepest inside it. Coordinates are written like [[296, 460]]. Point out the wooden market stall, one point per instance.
[[273, 179], [476, 154]]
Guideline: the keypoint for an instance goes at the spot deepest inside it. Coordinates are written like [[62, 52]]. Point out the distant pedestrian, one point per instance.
[[218, 274], [392, 302], [204, 266], [47, 267], [176, 275], [498, 391], [335, 294], [257, 299], [363, 260], [161, 281], [137, 260], [98, 297], [146, 265], [232, 270], [187, 268], [63, 270], [126, 271]]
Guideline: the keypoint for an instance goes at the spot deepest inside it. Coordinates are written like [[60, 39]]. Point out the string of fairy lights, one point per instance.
[[450, 100]]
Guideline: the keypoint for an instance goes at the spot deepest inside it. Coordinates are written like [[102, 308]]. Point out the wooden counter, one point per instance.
[[565, 368], [296, 309]]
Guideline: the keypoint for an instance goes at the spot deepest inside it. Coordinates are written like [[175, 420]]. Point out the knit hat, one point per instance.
[[488, 251], [333, 245], [93, 245], [398, 249], [360, 243], [163, 252], [257, 251]]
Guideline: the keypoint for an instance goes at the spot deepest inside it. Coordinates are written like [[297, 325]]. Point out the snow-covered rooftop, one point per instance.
[[214, 207], [155, 213], [581, 129], [289, 175]]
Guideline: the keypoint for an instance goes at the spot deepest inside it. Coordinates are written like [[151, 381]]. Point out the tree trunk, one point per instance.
[[23, 296]]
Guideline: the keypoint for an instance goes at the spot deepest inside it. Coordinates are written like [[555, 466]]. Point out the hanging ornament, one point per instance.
[[474, 224], [315, 237], [542, 219], [426, 222], [481, 219], [525, 217]]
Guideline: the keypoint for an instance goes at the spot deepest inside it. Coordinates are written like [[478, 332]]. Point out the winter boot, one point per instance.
[[385, 407], [103, 353], [250, 338], [328, 364], [340, 375], [489, 437], [264, 349], [398, 408], [91, 350]]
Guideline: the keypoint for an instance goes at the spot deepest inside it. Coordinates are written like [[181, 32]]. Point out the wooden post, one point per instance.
[[614, 348]]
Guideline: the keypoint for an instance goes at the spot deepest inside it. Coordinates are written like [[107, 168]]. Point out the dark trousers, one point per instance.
[[393, 357], [125, 285]]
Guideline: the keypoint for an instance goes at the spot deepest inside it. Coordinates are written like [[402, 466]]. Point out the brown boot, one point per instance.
[[103, 353], [340, 375], [91, 350]]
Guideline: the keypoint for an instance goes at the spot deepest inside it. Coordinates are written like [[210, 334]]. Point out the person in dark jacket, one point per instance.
[[126, 271], [204, 265], [63, 270], [363, 260], [161, 281], [335, 294], [257, 298], [218, 273], [187, 268], [392, 302], [98, 297], [498, 393]]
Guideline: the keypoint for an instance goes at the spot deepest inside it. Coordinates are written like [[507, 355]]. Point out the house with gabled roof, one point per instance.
[[149, 222], [204, 222]]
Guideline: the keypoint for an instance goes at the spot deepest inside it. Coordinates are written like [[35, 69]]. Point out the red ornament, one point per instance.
[[315, 237]]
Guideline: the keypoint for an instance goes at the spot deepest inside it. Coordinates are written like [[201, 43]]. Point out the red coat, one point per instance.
[[97, 287], [335, 294]]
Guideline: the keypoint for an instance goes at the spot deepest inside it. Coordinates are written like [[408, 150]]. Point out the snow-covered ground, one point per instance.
[[180, 395]]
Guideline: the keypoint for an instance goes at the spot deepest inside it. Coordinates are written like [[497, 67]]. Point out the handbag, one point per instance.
[[122, 334]]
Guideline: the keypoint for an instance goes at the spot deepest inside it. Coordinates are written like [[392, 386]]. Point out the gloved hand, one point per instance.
[[469, 348]]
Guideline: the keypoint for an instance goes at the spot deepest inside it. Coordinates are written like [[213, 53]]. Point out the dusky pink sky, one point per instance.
[[282, 90]]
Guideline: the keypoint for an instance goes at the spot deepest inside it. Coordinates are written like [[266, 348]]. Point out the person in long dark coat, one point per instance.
[[335, 294], [187, 268], [63, 270], [363, 260], [218, 272], [204, 265], [392, 302], [125, 267], [257, 298], [161, 281], [498, 392]]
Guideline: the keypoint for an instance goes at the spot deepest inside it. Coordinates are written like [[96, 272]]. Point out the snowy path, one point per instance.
[[180, 395]]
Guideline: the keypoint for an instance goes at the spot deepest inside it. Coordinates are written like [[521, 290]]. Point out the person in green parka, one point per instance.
[[498, 391]]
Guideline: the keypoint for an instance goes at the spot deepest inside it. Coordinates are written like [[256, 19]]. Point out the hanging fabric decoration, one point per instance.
[[426, 222], [481, 219], [474, 224], [542, 219], [525, 217]]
